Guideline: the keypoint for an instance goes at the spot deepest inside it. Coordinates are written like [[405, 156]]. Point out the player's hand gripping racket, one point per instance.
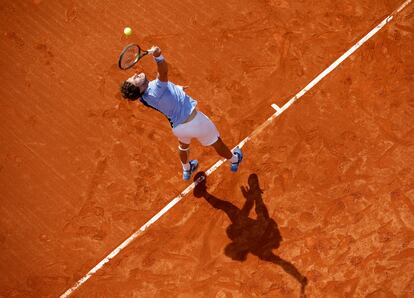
[[131, 54]]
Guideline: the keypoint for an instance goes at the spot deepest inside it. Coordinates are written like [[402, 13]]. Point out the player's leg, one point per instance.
[[184, 152], [235, 158], [208, 135], [184, 139], [222, 149], [189, 166]]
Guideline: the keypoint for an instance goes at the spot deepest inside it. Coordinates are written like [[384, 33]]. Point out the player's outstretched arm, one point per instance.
[[161, 64]]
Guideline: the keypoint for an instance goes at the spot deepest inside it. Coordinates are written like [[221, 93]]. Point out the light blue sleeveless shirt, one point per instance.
[[170, 100]]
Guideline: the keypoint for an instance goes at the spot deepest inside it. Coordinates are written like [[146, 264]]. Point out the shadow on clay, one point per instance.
[[256, 236]]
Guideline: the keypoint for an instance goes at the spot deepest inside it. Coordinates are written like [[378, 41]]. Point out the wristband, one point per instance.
[[159, 59]]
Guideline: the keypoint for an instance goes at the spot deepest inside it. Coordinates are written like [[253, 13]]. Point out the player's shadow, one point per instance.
[[256, 236]]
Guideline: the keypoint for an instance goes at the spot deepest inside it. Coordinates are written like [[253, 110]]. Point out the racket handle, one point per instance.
[[151, 51]]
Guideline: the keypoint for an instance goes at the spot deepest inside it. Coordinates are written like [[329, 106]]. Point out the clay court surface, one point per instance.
[[322, 204]]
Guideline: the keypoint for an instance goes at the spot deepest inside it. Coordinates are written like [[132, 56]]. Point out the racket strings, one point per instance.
[[130, 56]]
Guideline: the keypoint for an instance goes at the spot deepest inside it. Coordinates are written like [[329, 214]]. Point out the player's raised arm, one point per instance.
[[161, 64]]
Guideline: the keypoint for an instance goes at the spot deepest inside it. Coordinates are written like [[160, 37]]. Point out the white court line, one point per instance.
[[276, 107], [279, 111]]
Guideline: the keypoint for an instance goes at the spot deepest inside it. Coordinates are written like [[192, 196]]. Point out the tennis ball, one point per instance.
[[127, 31]]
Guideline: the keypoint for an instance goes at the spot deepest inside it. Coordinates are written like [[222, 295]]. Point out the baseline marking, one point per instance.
[[279, 111], [276, 107]]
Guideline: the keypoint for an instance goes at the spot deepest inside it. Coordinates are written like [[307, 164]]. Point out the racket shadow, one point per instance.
[[256, 236]]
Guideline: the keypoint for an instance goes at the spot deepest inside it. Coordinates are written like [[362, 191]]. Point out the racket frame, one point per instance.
[[141, 53]]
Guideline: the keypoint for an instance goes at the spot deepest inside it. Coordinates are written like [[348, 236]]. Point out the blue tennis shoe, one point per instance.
[[235, 165], [193, 167]]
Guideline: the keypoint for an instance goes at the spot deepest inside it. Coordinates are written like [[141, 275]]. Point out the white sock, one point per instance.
[[186, 166], [234, 158]]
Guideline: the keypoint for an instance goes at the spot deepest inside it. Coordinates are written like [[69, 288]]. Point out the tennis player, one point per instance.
[[181, 111]]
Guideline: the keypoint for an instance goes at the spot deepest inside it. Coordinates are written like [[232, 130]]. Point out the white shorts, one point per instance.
[[201, 128]]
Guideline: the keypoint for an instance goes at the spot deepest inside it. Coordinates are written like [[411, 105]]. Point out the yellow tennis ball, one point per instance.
[[127, 31]]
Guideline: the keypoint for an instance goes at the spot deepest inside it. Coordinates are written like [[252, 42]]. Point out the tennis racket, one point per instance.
[[130, 56]]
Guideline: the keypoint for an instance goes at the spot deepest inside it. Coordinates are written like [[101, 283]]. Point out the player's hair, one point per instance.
[[130, 91]]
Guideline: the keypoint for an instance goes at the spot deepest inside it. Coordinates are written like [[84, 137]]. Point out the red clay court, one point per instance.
[[322, 204]]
